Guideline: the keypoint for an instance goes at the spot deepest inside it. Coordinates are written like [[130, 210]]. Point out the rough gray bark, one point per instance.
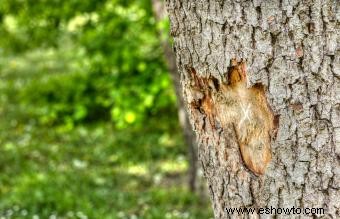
[[189, 135], [288, 48]]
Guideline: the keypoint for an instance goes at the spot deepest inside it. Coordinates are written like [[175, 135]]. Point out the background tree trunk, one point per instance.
[[261, 82], [189, 135]]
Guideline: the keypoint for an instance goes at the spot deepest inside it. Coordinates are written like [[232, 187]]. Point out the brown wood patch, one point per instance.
[[232, 104], [248, 110]]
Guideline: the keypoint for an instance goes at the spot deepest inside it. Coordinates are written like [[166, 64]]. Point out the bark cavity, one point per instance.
[[244, 109]]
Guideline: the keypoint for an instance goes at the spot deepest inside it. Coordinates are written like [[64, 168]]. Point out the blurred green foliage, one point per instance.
[[88, 122], [115, 46]]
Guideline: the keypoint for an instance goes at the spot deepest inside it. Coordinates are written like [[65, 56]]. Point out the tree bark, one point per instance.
[[261, 81], [189, 135]]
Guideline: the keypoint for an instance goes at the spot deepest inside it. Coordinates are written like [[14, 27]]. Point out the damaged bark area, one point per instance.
[[245, 110]]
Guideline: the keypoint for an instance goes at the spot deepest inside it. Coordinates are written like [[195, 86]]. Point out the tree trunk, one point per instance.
[[261, 81], [189, 135]]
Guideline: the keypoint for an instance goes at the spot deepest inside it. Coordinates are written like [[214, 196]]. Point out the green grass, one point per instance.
[[87, 170]]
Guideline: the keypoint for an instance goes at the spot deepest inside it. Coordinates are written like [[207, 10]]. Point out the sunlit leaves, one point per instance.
[[117, 69], [139, 77]]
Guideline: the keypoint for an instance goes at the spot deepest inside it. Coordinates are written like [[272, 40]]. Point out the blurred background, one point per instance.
[[90, 123]]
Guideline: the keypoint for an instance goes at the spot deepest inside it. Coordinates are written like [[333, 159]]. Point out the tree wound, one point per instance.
[[232, 104]]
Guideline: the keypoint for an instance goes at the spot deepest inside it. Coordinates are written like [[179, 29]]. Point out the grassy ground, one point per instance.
[[86, 171]]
